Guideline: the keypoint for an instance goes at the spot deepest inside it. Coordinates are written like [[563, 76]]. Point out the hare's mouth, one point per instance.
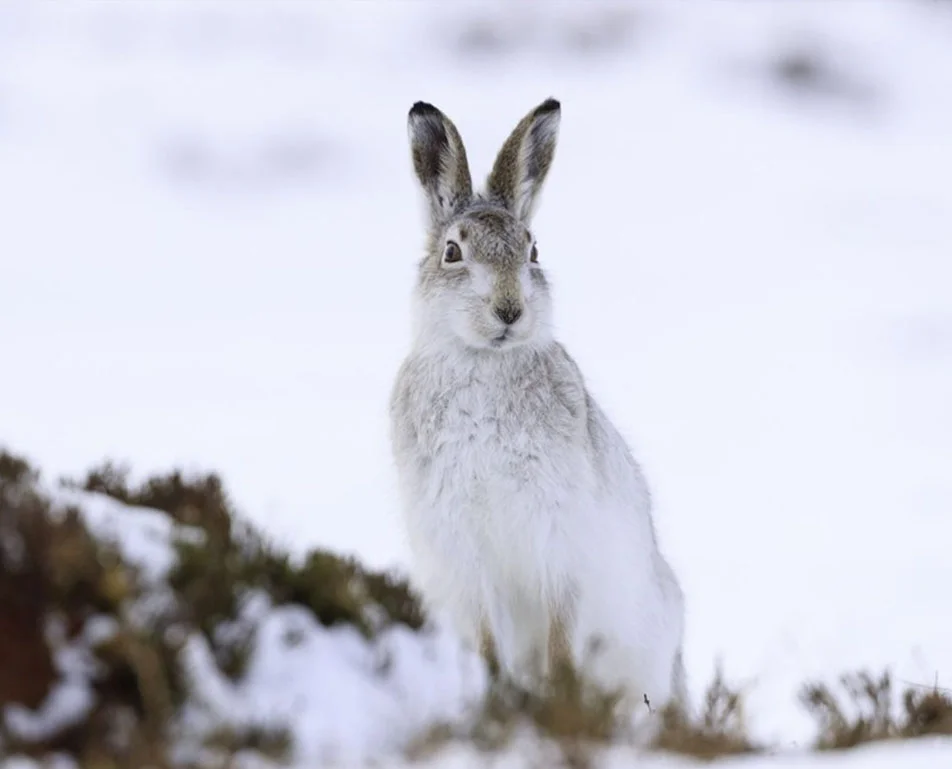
[[497, 341]]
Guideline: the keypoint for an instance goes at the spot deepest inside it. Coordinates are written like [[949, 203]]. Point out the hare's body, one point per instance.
[[524, 507], [528, 518]]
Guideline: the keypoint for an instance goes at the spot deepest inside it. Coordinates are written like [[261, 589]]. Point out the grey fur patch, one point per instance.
[[439, 160], [524, 161]]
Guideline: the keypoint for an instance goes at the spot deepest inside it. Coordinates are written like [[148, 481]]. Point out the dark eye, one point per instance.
[[452, 253], [534, 254]]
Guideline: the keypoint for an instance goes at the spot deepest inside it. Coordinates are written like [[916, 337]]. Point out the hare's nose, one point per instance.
[[508, 313]]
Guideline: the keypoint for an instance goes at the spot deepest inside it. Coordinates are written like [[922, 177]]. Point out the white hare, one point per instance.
[[528, 519]]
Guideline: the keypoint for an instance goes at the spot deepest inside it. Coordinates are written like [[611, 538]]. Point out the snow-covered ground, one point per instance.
[[327, 685], [209, 229]]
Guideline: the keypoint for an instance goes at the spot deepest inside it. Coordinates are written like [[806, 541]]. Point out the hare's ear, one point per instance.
[[439, 160], [524, 160]]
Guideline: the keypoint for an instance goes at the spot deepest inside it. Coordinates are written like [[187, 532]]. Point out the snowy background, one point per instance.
[[210, 225]]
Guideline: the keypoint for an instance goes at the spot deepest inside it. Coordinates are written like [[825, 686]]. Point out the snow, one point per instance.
[[210, 228], [71, 697], [66, 705], [925, 754], [143, 538], [342, 697], [58, 761]]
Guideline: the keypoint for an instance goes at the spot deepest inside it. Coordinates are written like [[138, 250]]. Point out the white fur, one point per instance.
[[522, 502], [503, 541]]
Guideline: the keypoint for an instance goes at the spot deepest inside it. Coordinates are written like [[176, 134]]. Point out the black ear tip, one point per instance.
[[423, 109], [548, 106]]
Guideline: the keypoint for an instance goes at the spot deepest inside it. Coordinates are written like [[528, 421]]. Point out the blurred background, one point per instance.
[[209, 229]]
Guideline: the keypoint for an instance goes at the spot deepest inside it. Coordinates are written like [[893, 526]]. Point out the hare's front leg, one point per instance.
[[449, 570], [521, 634], [499, 636]]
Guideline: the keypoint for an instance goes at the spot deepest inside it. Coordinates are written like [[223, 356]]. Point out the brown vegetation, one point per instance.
[[866, 711], [55, 574]]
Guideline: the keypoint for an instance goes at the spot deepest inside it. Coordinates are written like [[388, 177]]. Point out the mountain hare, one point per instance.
[[528, 519]]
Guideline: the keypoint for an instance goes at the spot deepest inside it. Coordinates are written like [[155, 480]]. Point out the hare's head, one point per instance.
[[480, 282]]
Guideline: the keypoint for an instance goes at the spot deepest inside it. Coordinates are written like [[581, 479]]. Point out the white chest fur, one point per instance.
[[496, 455], [521, 499]]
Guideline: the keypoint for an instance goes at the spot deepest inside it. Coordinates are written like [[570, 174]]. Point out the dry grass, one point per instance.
[[579, 717], [567, 709], [866, 711], [577, 720], [719, 731], [569, 713], [273, 742]]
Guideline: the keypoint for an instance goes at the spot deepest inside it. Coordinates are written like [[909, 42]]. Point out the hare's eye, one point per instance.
[[452, 253], [534, 254]]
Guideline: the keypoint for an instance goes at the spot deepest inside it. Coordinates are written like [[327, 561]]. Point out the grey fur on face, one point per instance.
[[496, 296]]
